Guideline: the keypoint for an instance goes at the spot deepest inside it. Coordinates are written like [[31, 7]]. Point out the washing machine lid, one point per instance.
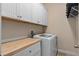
[[46, 35]]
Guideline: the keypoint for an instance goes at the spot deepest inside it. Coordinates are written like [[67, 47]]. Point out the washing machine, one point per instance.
[[48, 44]]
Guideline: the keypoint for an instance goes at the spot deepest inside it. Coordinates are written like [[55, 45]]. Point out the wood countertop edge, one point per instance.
[[20, 49]]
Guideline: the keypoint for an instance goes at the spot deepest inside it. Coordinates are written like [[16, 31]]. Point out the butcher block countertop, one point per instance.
[[11, 48]]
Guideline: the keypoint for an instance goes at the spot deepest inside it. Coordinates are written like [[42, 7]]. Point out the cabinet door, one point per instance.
[[36, 13], [44, 16], [25, 10], [33, 50], [39, 14], [9, 9], [45, 20], [24, 52]]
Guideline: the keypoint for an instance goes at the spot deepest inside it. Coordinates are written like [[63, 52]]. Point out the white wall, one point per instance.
[[63, 27]]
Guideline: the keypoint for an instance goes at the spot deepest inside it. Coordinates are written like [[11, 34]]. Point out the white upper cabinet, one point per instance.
[[44, 16], [25, 11], [9, 9], [22, 11], [39, 14], [36, 13], [33, 12]]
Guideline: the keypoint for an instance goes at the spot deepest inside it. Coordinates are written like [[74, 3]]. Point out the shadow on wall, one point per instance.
[[73, 26]]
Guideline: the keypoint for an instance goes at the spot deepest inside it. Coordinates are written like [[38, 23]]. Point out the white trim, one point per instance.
[[68, 53]]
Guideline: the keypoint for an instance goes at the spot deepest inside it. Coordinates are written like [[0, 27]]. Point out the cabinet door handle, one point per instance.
[[30, 51], [17, 16], [20, 16]]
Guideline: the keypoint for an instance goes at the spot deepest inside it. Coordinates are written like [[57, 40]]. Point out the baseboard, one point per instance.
[[67, 53]]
